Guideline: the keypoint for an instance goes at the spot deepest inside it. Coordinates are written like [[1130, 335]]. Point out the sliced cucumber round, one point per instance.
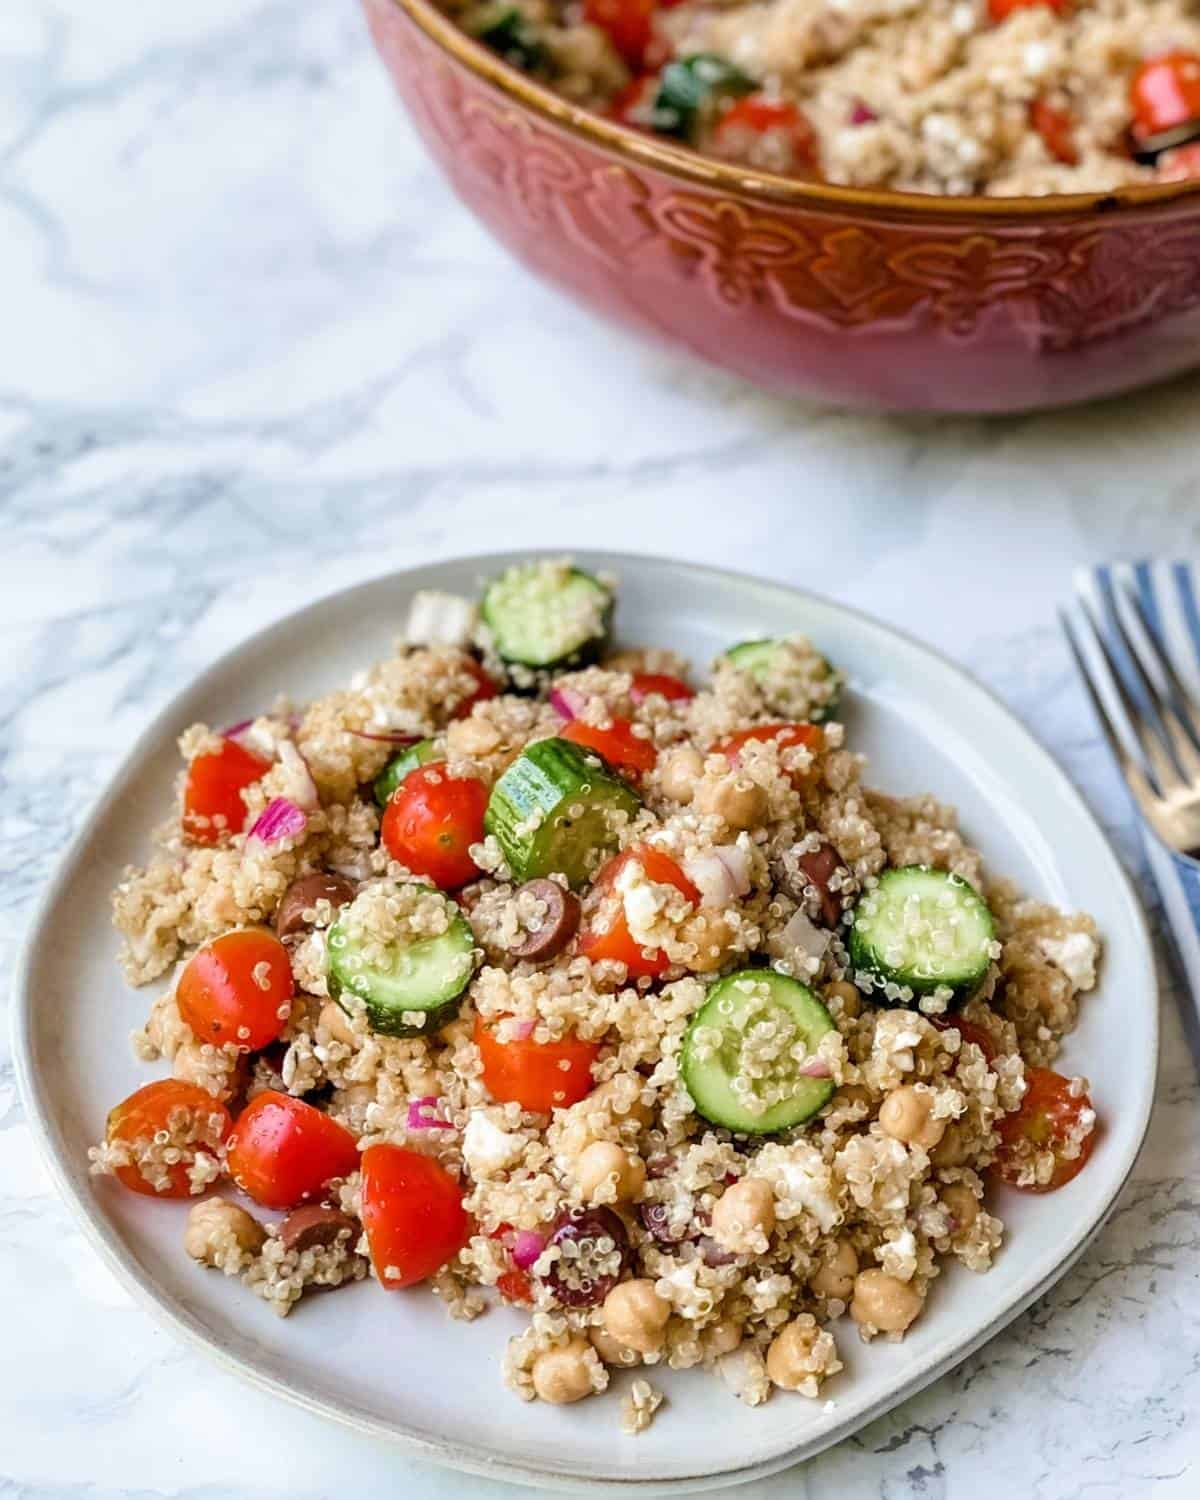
[[747, 1050], [771, 662], [506, 31], [548, 614], [558, 811], [415, 989], [921, 931], [691, 91], [400, 765]]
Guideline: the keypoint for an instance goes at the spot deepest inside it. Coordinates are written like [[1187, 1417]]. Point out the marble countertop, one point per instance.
[[252, 350]]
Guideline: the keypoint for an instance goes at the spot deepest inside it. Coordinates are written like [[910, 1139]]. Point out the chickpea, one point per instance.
[[962, 1205], [744, 1216], [835, 1275], [851, 1001], [636, 1316], [884, 1301], [611, 1351], [722, 1338], [790, 1354], [221, 1234], [467, 738], [951, 1150], [337, 1023], [734, 797], [907, 1115], [713, 937], [608, 1173], [681, 769], [563, 1375]]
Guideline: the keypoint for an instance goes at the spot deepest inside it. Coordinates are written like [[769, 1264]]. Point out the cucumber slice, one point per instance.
[[414, 988], [558, 811], [503, 29], [722, 1062], [772, 663], [400, 765], [921, 931], [548, 614], [691, 91]]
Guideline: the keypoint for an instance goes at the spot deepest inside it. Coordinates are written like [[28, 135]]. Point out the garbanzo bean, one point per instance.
[[563, 1375], [884, 1301], [744, 1216], [681, 770], [907, 1115], [217, 1229], [790, 1352], [835, 1275], [722, 1338], [611, 1351], [607, 1173], [962, 1205], [713, 936], [636, 1316], [851, 1001], [734, 797], [471, 737], [951, 1150]]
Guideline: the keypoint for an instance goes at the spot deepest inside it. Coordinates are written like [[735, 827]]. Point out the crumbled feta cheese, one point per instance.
[[486, 1148], [438, 619], [1075, 955]]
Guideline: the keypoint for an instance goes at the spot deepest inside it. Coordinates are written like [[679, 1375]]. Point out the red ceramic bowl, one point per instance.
[[881, 299]]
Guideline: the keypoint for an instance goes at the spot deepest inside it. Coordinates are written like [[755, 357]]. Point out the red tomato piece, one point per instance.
[[607, 935], [1000, 10], [515, 1286], [1180, 165], [673, 689], [629, 24], [486, 689], [413, 1214], [212, 793], [1057, 129], [536, 1075], [969, 1032], [783, 735], [282, 1151], [618, 745], [197, 1124], [431, 822], [238, 989], [1048, 1119], [759, 117], [1164, 93]]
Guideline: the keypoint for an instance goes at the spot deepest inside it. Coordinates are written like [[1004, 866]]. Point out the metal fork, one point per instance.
[[1149, 717]]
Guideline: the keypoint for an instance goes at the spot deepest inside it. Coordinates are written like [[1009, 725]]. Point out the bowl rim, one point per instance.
[[676, 161]]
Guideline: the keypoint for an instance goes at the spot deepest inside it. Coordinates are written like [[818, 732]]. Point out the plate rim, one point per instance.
[[470, 1459]]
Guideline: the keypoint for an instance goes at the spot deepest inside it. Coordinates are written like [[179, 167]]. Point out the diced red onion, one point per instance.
[[737, 861], [386, 737], [421, 1116], [301, 787], [862, 114], [523, 1030], [566, 702], [232, 731], [802, 938], [280, 819], [721, 874], [815, 1067], [527, 1246]]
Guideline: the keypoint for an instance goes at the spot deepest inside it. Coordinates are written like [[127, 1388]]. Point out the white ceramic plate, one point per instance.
[[395, 1365]]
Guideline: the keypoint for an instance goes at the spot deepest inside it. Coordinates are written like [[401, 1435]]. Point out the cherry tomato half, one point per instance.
[[197, 1123], [607, 936], [759, 117], [618, 745], [969, 1032], [1165, 92], [212, 793], [628, 23], [238, 989], [485, 689], [673, 689], [536, 1075], [282, 1151], [1048, 1117], [783, 735], [1057, 130], [431, 822], [1000, 10], [413, 1214]]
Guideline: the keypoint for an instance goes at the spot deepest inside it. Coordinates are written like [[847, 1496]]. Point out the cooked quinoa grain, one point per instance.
[[520, 1059]]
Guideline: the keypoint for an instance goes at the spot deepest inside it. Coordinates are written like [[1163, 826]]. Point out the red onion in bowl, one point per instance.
[[526, 1248], [280, 819], [232, 731], [386, 737], [567, 702], [815, 1067], [421, 1116]]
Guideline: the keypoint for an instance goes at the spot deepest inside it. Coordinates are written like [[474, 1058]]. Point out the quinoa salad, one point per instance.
[[545, 974], [1004, 97]]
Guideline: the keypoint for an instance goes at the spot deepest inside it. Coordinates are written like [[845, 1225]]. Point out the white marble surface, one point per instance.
[[251, 350]]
